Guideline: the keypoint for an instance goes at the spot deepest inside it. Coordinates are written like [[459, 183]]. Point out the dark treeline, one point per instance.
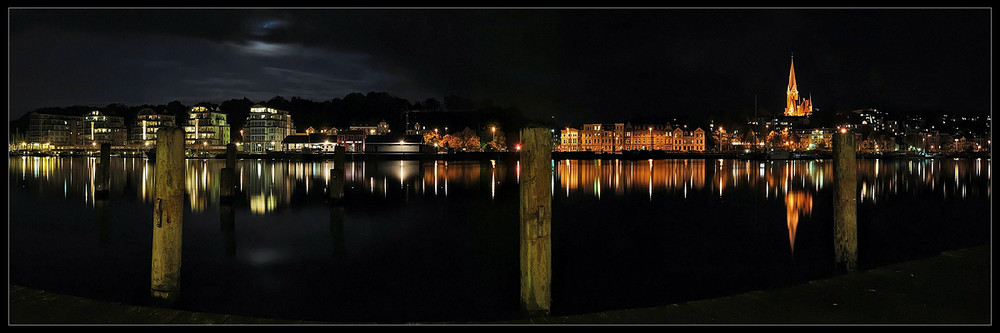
[[454, 113]]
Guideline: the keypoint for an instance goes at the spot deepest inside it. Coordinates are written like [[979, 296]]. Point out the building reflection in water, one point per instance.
[[797, 203], [267, 186], [595, 177]]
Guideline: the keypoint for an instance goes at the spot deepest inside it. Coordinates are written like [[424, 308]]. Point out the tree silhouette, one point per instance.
[[470, 140], [499, 142], [431, 104], [178, 110]]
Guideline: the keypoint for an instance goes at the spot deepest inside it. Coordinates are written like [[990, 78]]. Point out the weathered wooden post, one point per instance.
[[227, 183], [227, 221], [339, 156], [231, 156], [101, 216], [226, 196], [337, 176], [845, 201], [168, 216], [102, 175], [106, 158], [337, 229], [536, 218]]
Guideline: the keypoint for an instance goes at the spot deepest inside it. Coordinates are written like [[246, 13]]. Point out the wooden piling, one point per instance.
[[101, 216], [231, 156], [227, 182], [337, 230], [337, 176], [845, 201], [227, 221], [535, 220], [227, 185], [168, 216], [102, 176], [339, 155], [106, 158], [336, 186]]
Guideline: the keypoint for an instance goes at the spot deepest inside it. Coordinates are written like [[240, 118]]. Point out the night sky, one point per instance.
[[579, 65]]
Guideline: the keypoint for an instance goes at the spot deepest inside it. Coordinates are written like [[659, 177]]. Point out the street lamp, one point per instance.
[[651, 138]]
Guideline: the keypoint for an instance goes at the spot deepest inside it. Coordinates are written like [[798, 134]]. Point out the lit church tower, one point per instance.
[[793, 105]]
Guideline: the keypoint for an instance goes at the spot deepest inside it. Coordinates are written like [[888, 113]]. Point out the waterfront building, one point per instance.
[[796, 106], [813, 138], [688, 140], [53, 129], [368, 129], [931, 141], [352, 140], [868, 120], [328, 131], [206, 126], [556, 140], [315, 142], [602, 138], [395, 144], [979, 144], [876, 142], [99, 128], [382, 128], [147, 123], [416, 129], [569, 139], [266, 128], [618, 137], [648, 137]]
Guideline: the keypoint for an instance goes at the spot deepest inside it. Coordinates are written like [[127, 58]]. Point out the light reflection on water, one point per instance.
[[797, 203], [269, 185], [409, 203]]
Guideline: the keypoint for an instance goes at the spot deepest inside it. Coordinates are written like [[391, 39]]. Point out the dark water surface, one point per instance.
[[438, 241]]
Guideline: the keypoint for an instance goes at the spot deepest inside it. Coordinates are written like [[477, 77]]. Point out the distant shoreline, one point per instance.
[[632, 155]]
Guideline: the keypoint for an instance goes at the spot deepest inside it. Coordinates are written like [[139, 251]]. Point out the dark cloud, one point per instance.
[[581, 65]]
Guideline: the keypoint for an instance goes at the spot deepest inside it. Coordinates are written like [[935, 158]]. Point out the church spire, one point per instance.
[[791, 76], [793, 105]]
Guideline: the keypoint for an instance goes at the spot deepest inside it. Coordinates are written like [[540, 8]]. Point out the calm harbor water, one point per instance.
[[438, 241]]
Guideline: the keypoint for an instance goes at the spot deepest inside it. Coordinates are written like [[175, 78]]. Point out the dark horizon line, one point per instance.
[[720, 117]]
